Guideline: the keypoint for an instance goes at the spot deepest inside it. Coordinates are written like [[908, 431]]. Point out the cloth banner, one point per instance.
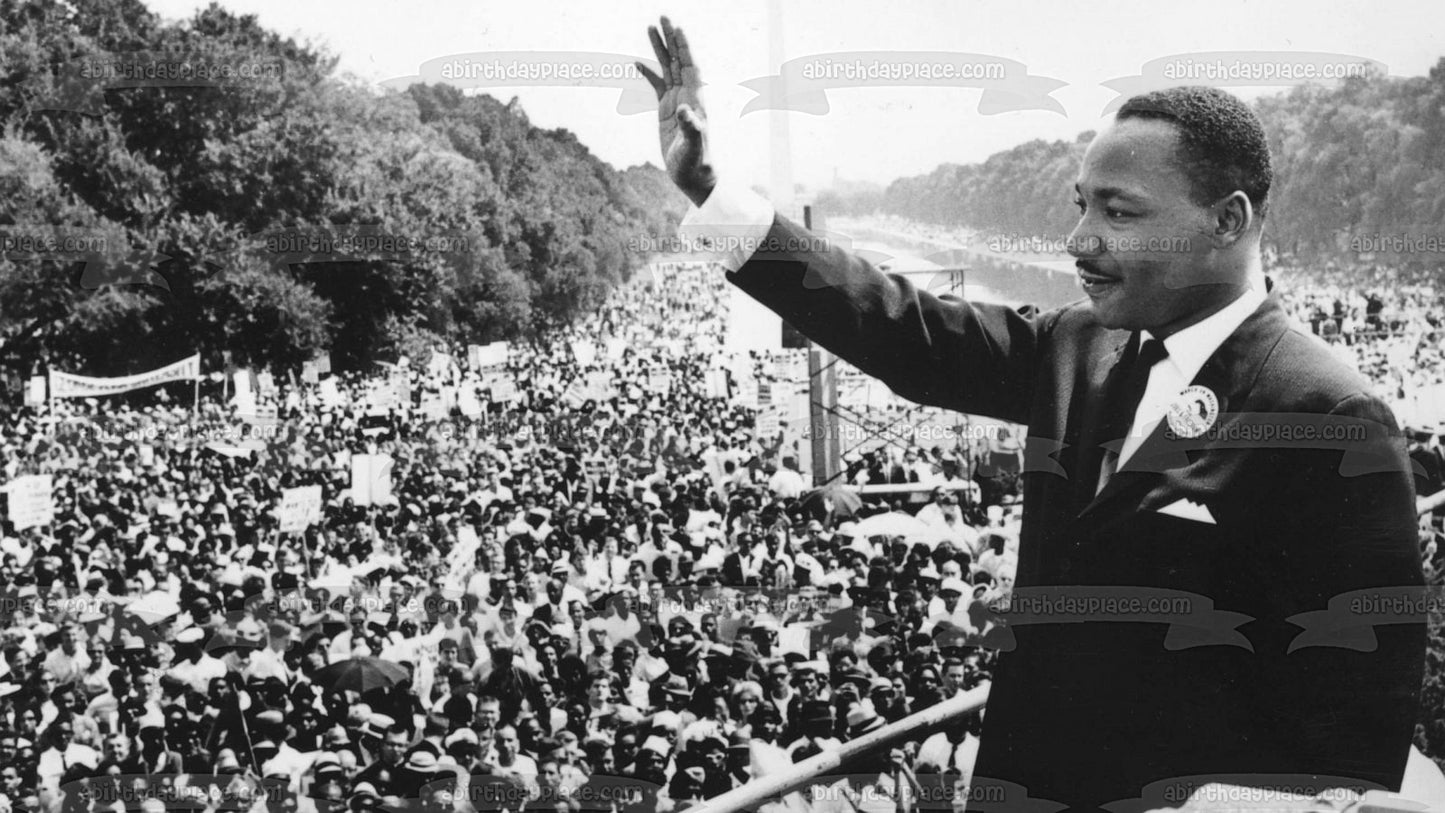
[[67, 385]]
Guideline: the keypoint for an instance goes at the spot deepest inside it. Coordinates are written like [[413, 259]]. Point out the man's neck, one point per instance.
[[1251, 276]]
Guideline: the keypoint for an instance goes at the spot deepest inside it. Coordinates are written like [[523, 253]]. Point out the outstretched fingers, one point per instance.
[[657, 82], [687, 69], [664, 59]]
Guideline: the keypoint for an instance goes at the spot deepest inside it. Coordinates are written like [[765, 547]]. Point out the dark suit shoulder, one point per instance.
[[1304, 374]]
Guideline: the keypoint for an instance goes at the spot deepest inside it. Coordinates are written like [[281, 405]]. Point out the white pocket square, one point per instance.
[[1189, 509]]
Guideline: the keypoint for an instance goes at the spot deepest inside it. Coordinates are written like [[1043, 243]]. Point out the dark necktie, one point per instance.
[[1119, 408]]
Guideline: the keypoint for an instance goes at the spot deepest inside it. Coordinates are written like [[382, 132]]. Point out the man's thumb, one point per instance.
[[689, 119]]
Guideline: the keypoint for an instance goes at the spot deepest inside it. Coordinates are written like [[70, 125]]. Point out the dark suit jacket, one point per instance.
[[732, 571], [1087, 713]]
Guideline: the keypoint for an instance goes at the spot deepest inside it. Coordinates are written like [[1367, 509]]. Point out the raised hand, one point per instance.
[[681, 122]]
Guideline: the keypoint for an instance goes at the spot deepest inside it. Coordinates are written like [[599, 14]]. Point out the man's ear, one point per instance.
[[1234, 217]]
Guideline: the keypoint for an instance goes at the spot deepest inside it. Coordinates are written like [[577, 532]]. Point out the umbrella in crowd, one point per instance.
[[153, 608], [895, 523], [361, 675], [842, 501]]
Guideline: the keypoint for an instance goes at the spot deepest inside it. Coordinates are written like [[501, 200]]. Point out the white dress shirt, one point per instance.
[[1188, 350]]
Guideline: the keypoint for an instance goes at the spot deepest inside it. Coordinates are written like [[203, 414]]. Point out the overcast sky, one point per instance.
[[871, 133]]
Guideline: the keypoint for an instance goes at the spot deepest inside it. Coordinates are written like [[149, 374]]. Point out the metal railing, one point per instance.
[[802, 774]]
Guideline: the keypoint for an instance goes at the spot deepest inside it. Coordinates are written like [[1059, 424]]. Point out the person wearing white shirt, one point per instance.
[[194, 666], [786, 483], [63, 755]]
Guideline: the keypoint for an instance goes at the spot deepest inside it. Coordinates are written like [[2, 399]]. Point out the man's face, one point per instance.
[[507, 743], [393, 748], [490, 712], [599, 692], [953, 678], [1144, 248]]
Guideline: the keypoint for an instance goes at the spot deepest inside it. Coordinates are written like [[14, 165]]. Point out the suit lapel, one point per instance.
[[1230, 374], [1104, 379]]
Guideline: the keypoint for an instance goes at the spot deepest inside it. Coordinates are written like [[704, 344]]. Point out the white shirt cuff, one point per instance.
[[729, 226]]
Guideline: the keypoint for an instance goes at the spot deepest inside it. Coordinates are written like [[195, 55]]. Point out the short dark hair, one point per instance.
[[1223, 142]]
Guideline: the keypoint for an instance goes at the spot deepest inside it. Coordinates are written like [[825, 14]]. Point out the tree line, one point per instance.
[[1359, 175], [184, 186]]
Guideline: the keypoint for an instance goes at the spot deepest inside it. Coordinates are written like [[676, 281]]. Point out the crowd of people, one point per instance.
[[583, 578], [589, 576]]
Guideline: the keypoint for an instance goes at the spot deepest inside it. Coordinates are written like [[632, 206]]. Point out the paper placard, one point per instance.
[[468, 403], [482, 356], [330, 396], [433, 407], [371, 479], [769, 426], [266, 415], [504, 390], [299, 508], [32, 501], [584, 351], [241, 380], [795, 638], [600, 386], [35, 391], [717, 384]]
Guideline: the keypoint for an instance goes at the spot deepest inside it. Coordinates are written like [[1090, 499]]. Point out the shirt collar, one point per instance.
[[1191, 347]]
